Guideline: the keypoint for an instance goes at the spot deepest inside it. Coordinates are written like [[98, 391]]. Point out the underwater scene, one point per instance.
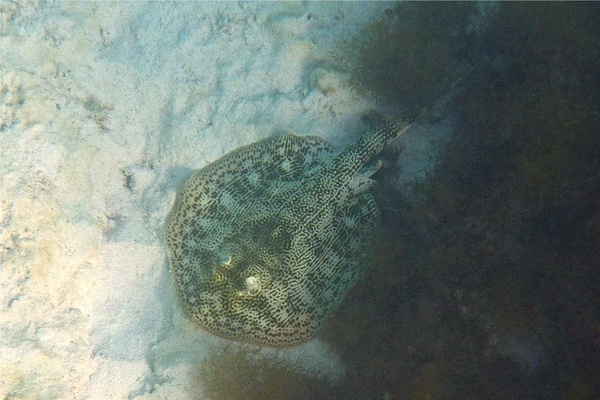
[[300, 200]]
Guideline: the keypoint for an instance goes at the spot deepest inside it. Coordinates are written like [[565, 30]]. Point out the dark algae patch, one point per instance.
[[486, 283], [241, 372], [411, 55]]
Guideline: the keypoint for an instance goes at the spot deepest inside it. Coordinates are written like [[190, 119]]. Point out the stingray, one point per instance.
[[265, 242]]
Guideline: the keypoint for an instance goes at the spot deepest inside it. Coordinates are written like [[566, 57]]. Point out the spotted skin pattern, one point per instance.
[[265, 242]]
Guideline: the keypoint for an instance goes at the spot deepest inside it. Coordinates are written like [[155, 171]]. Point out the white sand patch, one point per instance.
[[106, 107]]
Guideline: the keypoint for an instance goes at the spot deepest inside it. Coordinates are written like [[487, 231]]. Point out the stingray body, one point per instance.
[[265, 242]]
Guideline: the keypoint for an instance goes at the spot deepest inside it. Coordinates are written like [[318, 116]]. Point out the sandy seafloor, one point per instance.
[[106, 109]]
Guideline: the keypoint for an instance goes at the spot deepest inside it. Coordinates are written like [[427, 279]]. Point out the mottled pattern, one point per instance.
[[265, 242]]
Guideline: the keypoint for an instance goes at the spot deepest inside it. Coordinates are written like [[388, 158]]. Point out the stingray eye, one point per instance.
[[221, 266], [251, 287], [252, 284], [225, 261]]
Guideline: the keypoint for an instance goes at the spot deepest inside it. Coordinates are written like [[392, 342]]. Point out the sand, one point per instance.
[[106, 109]]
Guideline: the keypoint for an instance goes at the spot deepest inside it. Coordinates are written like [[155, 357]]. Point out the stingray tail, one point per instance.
[[352, 159]]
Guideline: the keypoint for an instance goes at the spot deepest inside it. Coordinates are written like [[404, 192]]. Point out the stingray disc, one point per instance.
[[265, 242]]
